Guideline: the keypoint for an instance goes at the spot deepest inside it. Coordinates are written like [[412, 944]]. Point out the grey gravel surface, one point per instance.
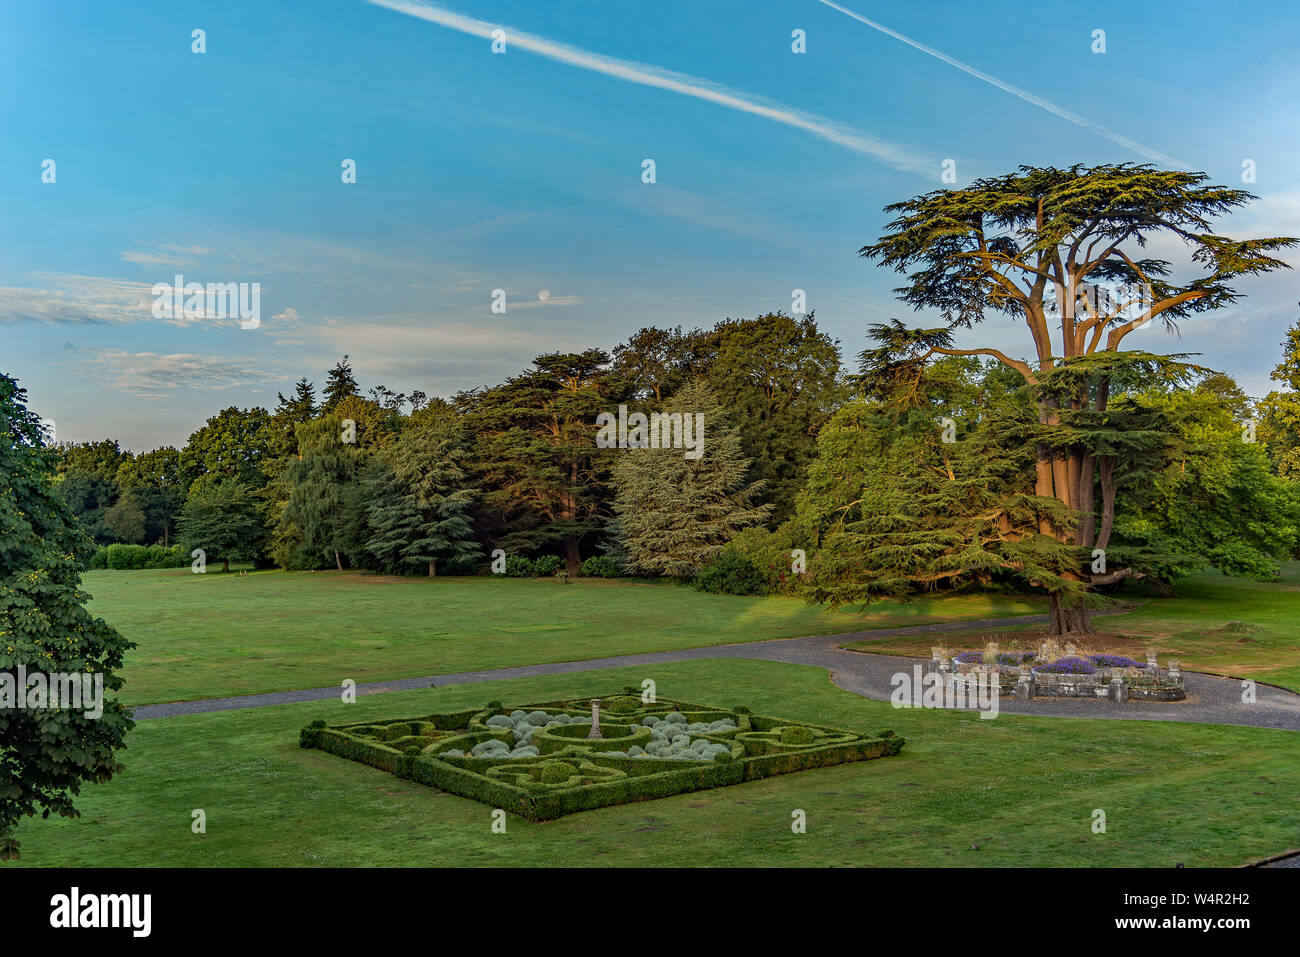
[[1210, 700]]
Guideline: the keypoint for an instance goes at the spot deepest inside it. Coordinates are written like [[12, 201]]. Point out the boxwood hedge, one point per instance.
[[570, 773]]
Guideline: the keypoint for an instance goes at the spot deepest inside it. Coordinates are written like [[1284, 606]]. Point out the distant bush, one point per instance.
[[136, 557], [126, 557], [730, 573], [769, 553], [546, 565], [99, 559], [601, 566], [518, 566]]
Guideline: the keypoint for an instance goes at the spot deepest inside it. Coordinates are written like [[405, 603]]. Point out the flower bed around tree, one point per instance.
[[1048, 672]]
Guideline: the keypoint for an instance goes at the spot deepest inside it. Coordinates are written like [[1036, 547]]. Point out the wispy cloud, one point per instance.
[[150, 375], [659, 78], [157, 259], [485, 227], [77, 300], [1025, 95], [165, 254]]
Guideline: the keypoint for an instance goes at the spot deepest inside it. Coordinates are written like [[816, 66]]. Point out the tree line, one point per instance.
[[388, 482], [1071, 471]]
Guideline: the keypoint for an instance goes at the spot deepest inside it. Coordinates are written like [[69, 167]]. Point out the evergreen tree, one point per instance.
[[46, 754], [535, 452], [674, 513], [419, 504], [1034, 244], [339, 385], [925, 486], [285, 542]]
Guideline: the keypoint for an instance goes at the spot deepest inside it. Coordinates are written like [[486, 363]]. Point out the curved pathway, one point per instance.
[[1210, 700]]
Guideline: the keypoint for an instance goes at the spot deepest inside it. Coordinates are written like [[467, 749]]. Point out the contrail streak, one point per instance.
[[662, 79], [1025, 95]]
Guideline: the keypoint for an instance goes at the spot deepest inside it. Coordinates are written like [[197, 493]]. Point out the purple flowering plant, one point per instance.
[[1115, 661], [1068, 666]]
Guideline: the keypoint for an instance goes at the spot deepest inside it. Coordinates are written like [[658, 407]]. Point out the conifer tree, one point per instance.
[[419, 501], [1036, 244], [675, 513]]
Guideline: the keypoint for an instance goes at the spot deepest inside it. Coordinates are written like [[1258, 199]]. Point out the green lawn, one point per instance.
[[208, 636], [1216, 624], [1022, 789]]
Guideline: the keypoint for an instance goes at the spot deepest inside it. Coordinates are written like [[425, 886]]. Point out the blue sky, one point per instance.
[[522, 171]]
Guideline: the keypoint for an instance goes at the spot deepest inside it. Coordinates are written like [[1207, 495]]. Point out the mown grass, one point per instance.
[[1010, 792], [213, 635], [1228, 626]]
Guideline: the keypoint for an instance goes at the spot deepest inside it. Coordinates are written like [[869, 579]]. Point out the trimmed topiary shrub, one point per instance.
[[554, 772], [797, 734]]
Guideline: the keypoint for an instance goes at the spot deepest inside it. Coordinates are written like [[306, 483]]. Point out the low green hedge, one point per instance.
[[136, 557]]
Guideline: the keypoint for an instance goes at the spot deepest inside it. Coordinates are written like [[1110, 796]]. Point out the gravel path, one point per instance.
[[1210, 700]]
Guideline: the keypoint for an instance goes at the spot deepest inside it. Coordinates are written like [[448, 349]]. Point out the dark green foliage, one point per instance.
[[1279, 426], [47, 754], [152, 483], [222, 519], [323, 506], [418, 509], [535, 456], [1211, 498], [340, 385], [545, 565], [554, 772], [778, 378], [134, 557], [230, 446], [518, 566], [601, 566], [731, 573]]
